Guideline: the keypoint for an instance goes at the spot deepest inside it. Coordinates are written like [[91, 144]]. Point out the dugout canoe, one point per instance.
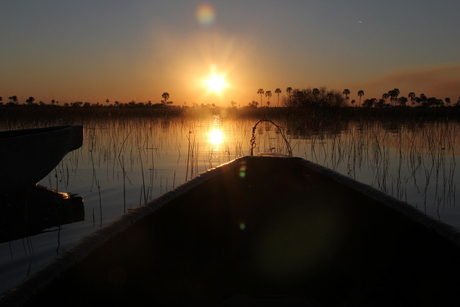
[[36, 210], [28, 155], [258, 231]]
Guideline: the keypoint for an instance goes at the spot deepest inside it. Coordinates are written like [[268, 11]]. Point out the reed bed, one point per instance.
[[130, 159], [398, 160], [139, 158]]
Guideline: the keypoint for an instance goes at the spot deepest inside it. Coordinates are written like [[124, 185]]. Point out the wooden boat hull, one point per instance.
[[28, 155], [27, 214], [258, 230]]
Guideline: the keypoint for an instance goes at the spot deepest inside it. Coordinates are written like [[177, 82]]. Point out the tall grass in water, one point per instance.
[[413, 164], [192, 148], [143, 156]]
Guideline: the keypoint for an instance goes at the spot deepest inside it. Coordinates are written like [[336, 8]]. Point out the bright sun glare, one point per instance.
[[216, 136], [216, 83]]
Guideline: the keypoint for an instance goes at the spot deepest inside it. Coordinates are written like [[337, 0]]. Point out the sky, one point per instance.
[[95, 50]]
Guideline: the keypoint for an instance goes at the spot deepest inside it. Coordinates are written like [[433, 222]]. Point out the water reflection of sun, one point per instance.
[[216, 136]]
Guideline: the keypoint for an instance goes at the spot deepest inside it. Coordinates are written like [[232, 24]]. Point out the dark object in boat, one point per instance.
[[258, 230], [35, 209], [28, 155]]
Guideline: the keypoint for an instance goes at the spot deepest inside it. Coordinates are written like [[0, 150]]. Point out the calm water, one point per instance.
[[124, 163]]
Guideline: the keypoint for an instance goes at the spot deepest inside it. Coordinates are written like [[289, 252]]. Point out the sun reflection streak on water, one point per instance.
[[216, 137]]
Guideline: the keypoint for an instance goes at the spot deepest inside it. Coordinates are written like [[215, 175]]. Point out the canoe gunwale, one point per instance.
[[31, 131], [441, 228]]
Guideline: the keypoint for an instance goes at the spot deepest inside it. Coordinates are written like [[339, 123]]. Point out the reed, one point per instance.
[[121, 160]]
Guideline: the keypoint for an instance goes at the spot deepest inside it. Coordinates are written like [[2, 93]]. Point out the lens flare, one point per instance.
[[243, 169], [205, 14]]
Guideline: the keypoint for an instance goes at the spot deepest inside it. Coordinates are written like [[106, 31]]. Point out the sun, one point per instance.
[[216, 83]]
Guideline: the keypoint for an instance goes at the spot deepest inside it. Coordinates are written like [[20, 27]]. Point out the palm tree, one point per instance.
[[30, 100], [277, 91], [13, 99], [288, 91], [385, 96], [423, 98], [260, 91], [411, 97], [360, 94], [165, 96], [393, 95], [346, 92], [107, 101], [268, 94]]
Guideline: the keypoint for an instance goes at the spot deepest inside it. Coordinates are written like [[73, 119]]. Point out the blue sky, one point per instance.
[[136, 50]]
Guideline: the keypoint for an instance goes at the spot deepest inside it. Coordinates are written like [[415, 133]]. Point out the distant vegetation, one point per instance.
[[303, 98], [322, 97]]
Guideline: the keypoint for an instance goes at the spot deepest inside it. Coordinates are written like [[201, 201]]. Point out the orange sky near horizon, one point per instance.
[[133, 50]]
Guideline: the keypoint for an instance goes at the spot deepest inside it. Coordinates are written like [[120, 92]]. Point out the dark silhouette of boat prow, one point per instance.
[[258, 231], [36, 210], [28, 155]]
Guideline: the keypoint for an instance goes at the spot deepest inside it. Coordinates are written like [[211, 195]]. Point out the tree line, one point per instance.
[[14, 101], [322, 97], [311, 97]]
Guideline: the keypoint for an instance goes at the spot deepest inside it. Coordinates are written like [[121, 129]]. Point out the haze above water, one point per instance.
[[126, 162]]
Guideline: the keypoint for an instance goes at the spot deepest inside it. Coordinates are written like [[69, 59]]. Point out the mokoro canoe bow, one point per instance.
[[258, 230], [28, 155]]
